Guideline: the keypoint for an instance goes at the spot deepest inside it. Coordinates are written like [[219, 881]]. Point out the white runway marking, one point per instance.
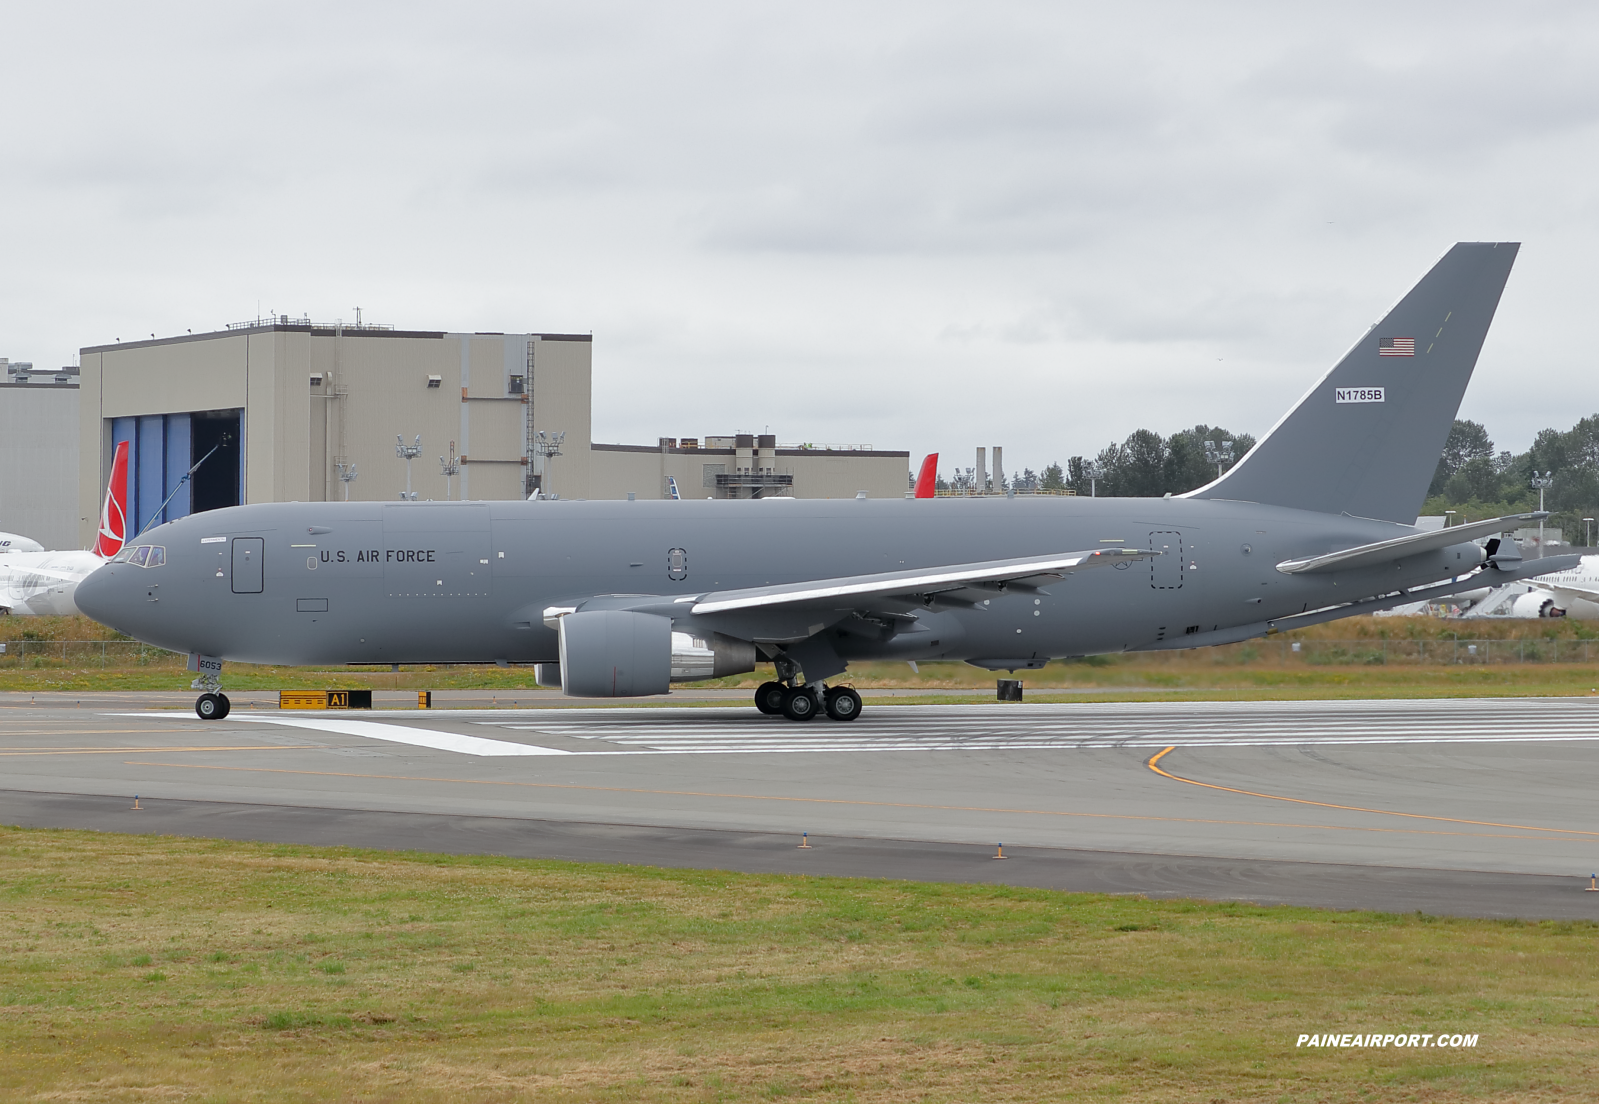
[[404, 734], [1043, 727], [697, 730]]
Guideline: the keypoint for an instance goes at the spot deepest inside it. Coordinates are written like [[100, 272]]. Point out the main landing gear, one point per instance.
[[803, 703]]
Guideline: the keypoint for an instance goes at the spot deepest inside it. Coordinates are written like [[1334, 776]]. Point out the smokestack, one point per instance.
[[980, 477], [999, 469]]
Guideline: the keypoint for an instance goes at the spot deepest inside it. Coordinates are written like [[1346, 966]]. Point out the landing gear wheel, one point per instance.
[[799, 703], [769, 698], [843, 703], [226, 706], [211, 707]]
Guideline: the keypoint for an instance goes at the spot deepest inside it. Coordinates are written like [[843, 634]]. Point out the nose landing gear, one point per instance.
[[212, 705]]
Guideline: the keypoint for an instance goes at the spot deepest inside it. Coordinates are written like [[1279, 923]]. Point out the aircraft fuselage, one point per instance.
[[332, 583]]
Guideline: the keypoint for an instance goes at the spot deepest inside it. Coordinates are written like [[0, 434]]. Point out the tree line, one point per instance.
[[1473, 479], [1146, 465]]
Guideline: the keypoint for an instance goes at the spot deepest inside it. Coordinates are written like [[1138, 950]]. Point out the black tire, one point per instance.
[[769, 698], [799, 704], [226, 706], [209, 707], [843, 704]]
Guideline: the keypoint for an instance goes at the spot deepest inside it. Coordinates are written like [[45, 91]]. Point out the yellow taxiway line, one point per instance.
[[1153, 764]]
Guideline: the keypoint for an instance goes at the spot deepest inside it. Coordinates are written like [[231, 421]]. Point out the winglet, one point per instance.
[[114, 514], [927, 479]]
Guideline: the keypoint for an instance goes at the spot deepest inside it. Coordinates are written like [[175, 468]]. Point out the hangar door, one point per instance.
[[162, 448]]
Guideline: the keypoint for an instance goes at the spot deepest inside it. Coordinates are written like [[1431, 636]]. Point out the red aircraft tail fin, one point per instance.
[[114, 514], [927, 479]]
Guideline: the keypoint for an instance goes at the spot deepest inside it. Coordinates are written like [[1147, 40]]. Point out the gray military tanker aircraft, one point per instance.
[[626, 597]]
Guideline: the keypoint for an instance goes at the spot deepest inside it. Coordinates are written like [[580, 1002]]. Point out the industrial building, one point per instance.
[[286, 409], [39, 455]]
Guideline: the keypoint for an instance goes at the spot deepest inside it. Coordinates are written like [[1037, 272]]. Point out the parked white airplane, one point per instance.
[[44, 583], [1573, 593], [12, 542]]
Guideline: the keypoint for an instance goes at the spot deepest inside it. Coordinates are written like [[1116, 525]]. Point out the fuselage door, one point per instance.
[[247, 555], [1166, 570]]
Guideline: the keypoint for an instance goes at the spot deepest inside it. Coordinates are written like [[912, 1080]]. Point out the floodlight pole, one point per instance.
[[1542, 482], [1219, 453], [1587, 532], [408, 453], [449, 467], [1095, 472], [347, 474]]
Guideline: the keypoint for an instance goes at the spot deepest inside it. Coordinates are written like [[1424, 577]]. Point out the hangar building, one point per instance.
[[284, 409], [39, 454]]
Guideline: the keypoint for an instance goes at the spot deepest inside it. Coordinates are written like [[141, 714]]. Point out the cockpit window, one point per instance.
[[143, 555]]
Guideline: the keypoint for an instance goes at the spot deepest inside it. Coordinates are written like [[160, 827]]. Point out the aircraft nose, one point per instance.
[[104, 597]]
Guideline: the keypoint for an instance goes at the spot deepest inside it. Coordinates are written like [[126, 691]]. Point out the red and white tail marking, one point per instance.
[[114, 514], [927, 478]]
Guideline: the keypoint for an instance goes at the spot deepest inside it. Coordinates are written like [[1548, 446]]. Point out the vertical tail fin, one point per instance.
[[1365, 439], [927, 478], [114, 514]]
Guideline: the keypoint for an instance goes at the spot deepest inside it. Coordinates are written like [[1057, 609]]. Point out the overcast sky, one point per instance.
[[922, 225]]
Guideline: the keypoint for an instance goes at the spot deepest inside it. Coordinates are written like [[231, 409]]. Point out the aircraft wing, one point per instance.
[[1566, 591], [923, 585], [1382, 552]]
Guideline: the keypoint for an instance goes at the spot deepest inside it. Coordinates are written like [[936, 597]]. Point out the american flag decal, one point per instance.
[[1396, 346]]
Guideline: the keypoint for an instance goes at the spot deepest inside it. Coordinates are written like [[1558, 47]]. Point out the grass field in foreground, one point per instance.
[[140, 968]]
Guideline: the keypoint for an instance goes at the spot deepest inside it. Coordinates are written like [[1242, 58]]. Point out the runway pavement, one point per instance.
[[1463, 806]]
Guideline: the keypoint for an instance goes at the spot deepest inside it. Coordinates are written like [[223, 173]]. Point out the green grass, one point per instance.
[[1358, 657], [139, 968]]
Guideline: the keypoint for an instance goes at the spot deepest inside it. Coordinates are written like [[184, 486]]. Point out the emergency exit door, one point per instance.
[[247, 554]]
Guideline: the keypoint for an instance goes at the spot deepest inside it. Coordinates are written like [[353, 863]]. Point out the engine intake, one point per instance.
[[621, 654], [615, 654]]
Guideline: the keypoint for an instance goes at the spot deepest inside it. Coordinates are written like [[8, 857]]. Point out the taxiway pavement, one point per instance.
[[1455, 806]]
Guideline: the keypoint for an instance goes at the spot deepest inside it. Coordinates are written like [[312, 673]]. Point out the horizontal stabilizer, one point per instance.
[[1388, 551], [918, 585], [1492, 575]]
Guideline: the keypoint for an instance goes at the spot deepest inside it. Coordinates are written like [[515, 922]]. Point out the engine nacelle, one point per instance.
[[619, 654], [695, 658], [1536, 604], [615, 654]]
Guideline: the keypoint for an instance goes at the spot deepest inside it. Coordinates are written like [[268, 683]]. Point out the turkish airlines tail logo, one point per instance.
[[927, 478], [114, 514]]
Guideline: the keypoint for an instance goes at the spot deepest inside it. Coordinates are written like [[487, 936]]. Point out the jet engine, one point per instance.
[[615, 654], [1535, 604], [620, 654], [695, 658]]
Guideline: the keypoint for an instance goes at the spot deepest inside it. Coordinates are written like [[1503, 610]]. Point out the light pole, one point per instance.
[[1587, 532], [347, 474], [1095, 472], [1449, 518], [449, 468], [546, 447], [1219, 453], [408, 453], [1542, 482]]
